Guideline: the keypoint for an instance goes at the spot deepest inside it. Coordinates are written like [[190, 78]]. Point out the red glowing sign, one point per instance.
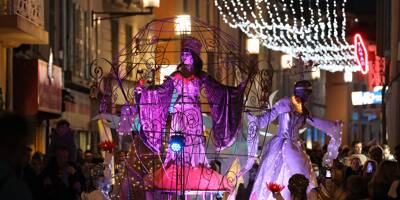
[[361, 54]]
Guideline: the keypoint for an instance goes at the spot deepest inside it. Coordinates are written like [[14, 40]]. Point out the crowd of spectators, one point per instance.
[[57, 175], [359, 172]]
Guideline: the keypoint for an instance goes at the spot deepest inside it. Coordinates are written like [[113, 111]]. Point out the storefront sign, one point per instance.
[[361, 54], [376, 72], [366, 98]]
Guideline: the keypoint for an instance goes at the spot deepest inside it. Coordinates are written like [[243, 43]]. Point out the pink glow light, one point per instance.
[[361, 53]]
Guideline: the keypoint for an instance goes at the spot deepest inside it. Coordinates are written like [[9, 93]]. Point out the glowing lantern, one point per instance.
[[183, 25], [253, 46]]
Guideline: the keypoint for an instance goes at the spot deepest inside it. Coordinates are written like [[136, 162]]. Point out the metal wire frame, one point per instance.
[[156, 46]]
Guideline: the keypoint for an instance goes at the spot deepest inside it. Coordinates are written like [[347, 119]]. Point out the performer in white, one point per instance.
[[284, 155]]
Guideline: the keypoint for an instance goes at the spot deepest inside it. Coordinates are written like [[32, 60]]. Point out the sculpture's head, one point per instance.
[[302, 90], [190, 54]]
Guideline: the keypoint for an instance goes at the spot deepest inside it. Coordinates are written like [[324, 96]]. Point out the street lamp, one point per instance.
[[253, 46], [286, 61], [183, 25], [348, 76], [316, 74], [151, 3]]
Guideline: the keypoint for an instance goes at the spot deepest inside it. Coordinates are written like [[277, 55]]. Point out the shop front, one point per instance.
[[37, 95]]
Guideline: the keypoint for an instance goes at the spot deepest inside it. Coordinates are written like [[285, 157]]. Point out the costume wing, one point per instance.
[[226, 110], [153, 112]]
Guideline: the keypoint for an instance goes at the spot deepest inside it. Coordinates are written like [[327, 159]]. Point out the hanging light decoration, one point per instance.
[[316, 30]]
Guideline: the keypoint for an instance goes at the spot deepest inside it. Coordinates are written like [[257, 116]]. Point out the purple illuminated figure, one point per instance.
[[174, 108], [284, 155]]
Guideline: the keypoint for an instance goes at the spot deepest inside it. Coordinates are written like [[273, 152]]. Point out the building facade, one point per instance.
[[22, 22], [76, 36], [388, 47]]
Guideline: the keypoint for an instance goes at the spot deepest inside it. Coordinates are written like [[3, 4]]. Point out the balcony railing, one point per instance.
[[32, 10]]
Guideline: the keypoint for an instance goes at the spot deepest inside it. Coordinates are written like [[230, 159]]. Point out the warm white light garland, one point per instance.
[[281, 26]]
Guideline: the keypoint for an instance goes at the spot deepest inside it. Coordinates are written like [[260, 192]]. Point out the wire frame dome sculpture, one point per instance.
[[149, 62]]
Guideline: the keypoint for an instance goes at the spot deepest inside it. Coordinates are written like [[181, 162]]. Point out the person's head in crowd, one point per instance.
[[79, 155], [97, 158], [26, 157], [38, 157], [344, 152], [63, 127], [357, 147], [386, 152], [356, 188], [397, 152], [62, 156], [122, 156], [88, 156], [369, 168], [37, 162], [376, 153], [356, 163], [297, 186], [386, 173], [16, 130]]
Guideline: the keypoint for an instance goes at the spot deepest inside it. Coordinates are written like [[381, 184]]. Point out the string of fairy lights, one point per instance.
[[315, 29]]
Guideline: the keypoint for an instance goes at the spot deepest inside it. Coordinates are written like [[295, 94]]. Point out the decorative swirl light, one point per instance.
[[313, 30]]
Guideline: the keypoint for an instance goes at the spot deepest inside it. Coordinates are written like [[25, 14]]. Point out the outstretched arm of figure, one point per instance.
[[141, 87], [334, 130], [152, 106], [261, 121]]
